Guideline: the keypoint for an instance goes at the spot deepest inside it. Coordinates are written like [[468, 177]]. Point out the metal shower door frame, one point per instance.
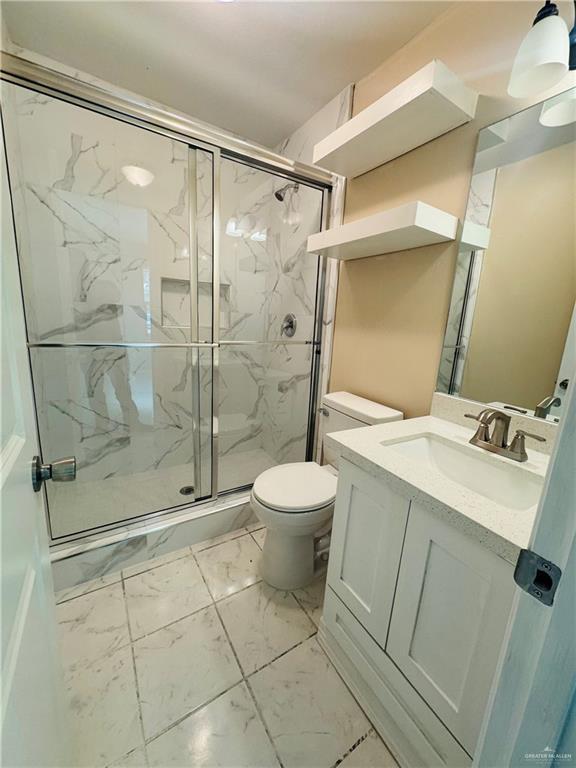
[[220, 144]]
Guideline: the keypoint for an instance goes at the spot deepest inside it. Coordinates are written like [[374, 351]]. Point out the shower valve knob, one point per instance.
[[60, 471]]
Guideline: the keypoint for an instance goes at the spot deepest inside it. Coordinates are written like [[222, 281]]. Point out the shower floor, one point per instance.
[[87, 505], [191, 660]]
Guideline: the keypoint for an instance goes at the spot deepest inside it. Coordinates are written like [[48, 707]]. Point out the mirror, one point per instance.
[[511, 339]]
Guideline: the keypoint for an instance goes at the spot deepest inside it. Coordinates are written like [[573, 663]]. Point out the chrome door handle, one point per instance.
[[60, 471]]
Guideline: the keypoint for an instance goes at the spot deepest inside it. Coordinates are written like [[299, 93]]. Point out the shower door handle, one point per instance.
[[60, 471]]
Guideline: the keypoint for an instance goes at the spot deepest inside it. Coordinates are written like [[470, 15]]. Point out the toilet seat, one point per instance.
[[295, 488]]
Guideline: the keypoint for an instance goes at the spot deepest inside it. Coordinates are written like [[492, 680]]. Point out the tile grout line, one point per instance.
[[88, 592], [244, 678], [292, 648], [136, 682], [263, 721], [354, 746], [189, 713]]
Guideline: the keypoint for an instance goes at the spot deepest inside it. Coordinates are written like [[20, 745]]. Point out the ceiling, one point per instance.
[[258, 69]]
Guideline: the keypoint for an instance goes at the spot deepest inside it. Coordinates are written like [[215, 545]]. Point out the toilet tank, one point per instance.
[[343, 410]]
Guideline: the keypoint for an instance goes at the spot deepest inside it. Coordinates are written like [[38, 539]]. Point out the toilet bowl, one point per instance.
[[295, 501]]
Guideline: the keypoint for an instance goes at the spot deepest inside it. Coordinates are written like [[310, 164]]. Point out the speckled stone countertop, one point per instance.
[[502, 529]]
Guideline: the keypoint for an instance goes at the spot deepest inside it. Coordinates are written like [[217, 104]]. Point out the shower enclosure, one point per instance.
[[173, 314]]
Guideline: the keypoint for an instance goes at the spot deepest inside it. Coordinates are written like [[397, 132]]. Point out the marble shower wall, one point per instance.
[[300, 147], [465, 288], [266, 274], [105, 260]]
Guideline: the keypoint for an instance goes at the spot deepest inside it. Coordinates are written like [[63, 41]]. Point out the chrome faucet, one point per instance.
[[543, 409], [497, 441]]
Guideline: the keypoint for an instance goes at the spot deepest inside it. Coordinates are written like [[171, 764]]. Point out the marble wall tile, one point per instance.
[[109, 242], [300, 146], [465, 287], [127, 416], [99, 555]]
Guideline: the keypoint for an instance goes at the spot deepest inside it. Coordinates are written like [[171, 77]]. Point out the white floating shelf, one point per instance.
[[428, 104], [409, 226]]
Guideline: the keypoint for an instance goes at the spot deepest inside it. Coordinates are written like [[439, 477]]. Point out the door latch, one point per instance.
[[537, 576]]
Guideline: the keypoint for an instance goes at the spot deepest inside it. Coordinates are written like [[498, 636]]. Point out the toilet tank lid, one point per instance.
[[360, 408]]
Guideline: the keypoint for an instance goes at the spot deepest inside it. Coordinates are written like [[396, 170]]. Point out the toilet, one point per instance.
[[295, 501]]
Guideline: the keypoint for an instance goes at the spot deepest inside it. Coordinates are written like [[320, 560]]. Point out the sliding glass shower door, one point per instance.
[[172, 369], [114, 226]]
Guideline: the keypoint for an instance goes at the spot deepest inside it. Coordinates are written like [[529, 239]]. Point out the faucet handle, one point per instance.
[[482, 434], [518, 445], [522, 433]]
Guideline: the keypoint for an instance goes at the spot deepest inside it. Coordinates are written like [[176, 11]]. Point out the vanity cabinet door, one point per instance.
[[367, 534], [450, 613]]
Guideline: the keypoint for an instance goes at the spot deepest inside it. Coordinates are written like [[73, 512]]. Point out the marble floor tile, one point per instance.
[[311, 598], [92, 625], [136, 759], [227, 732], [165, 594], [262, 623], [311, 716], [259, 536], [231, 566], [88, 586], [154, 562], [181, 667], [371, 753], [104, 709], [219, 539]]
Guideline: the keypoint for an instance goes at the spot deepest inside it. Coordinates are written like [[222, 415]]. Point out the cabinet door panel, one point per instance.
[[450, 614], [367, 536]]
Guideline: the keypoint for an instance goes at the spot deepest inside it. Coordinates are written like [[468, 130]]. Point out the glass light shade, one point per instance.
[[559, 110], [139, 177], [542, 59]]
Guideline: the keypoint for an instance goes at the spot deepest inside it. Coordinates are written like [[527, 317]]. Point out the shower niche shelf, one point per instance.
[[411, 225], [426, 105]]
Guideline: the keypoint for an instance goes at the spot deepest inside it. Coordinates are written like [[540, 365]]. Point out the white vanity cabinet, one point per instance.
[[422, 617], [365, 548], [450, 612]]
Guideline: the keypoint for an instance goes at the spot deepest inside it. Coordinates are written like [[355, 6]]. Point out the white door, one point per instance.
[[529, 720], [367, 534], [33, 715]]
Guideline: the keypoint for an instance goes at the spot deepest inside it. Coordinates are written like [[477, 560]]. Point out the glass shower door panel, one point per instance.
[[127, 415], [263, 409], [103, 222], [265, 271]]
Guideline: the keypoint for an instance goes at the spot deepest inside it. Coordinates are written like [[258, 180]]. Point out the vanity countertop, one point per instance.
[[500, 528]]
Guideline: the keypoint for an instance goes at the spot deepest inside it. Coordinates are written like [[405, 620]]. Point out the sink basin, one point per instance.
[[489, 476]]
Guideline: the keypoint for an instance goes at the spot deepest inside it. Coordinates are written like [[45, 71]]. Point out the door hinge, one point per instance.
[[537, 576]]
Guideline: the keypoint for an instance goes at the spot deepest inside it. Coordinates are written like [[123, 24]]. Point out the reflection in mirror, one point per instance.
[[511, 337]]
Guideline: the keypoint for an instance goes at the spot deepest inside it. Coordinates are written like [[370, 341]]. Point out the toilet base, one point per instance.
[[287, 561]]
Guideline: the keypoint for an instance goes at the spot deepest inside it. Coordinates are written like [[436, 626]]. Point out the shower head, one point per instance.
[[280, 194]]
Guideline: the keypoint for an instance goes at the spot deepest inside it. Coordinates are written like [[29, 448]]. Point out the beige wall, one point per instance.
[[528, 283], [392, 310]]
